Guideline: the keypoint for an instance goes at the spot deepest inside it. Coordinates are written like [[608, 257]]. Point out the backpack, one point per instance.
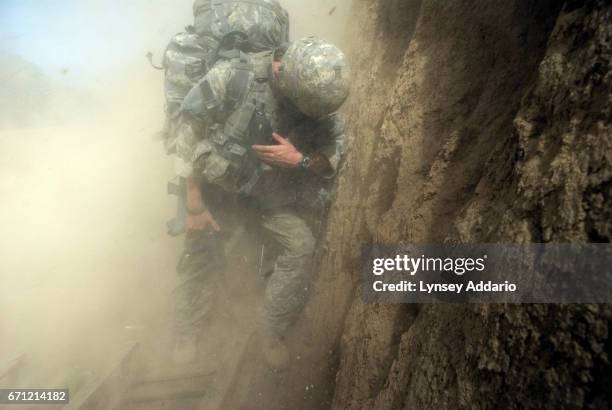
[[220, 26], [260, 24], [186, 61]]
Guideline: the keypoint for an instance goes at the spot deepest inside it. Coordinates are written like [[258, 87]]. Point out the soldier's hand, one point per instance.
[[283, 155], [201, 222]]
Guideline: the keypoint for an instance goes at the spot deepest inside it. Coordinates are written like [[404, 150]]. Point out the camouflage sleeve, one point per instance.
[[330, 140], [201, 107]]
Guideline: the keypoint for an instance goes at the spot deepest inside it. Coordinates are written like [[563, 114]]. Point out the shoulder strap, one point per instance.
[[239, 83], [262, 68]]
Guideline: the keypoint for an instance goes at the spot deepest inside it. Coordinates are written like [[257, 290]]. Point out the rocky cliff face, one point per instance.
[[475, 122]]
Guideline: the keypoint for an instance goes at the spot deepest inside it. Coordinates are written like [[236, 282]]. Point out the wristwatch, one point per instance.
[[305, 163]]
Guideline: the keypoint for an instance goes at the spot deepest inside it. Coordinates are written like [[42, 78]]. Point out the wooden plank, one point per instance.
[[226, 378], [107, 391], [172, 373], [170, 389], [11, 370]]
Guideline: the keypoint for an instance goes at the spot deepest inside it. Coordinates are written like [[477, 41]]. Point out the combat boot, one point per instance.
[[275, 352], [185, 350]]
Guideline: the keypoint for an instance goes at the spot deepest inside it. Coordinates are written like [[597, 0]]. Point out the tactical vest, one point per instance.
[[249, 109]]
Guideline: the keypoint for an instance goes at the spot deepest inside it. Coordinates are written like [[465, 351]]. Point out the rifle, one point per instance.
[[260, 133]]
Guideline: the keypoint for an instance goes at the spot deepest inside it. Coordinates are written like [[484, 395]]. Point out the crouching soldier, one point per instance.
[[259, 131]]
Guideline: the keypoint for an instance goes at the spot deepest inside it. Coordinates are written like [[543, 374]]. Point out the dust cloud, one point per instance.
[[85, 262]]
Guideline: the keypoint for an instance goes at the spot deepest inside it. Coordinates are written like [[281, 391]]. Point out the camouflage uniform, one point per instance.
[[276, 198]]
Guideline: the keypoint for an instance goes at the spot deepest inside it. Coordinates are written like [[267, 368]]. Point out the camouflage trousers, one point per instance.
[[200, 272]]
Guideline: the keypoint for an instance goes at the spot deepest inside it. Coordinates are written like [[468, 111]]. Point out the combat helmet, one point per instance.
[[315, 76]]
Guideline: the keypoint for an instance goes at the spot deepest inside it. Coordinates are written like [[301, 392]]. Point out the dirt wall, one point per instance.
[[471, 122]]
